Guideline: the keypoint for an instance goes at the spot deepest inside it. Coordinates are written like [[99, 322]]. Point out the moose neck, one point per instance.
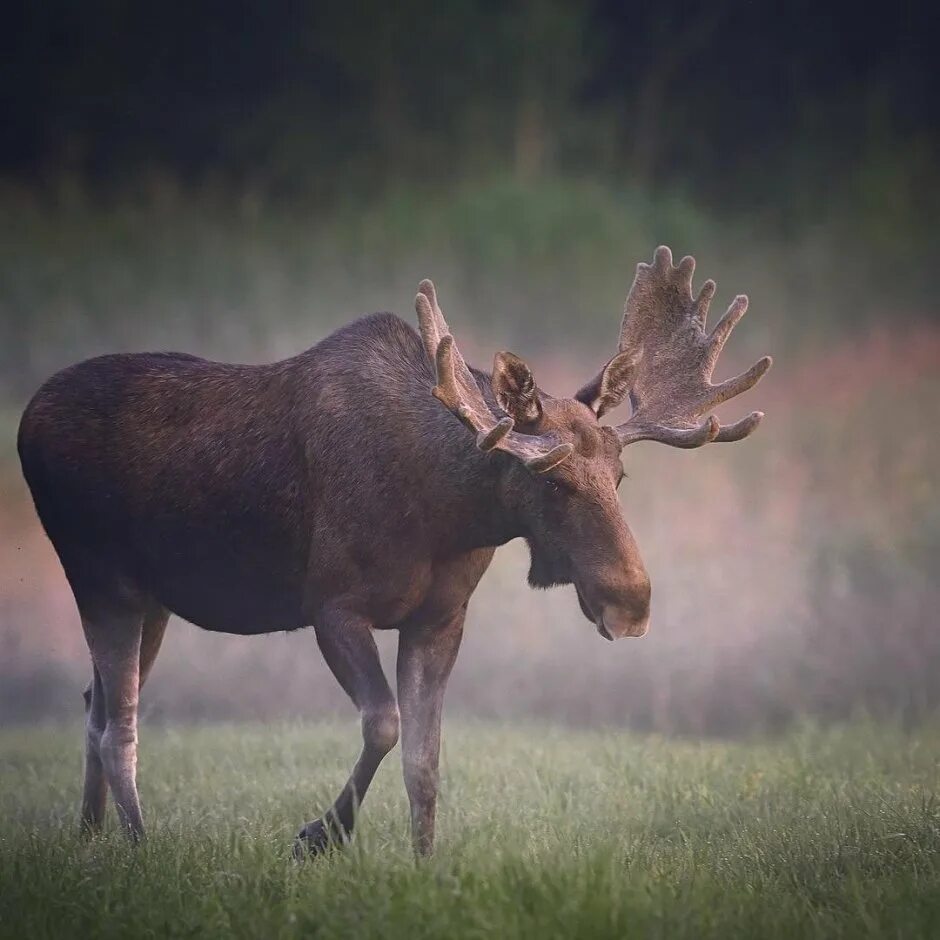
[[472, 489], [476, 497]]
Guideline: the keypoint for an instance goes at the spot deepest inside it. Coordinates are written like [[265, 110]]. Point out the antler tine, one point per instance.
[[740, 383], [458, 391], [704, 301], [432, 324], [686, 269], [663, 328], [740, 429], [450, 393], [721, 332], [687, 438]]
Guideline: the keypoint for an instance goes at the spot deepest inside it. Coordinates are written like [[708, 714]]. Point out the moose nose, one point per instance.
[[626, 613], [618, 622]]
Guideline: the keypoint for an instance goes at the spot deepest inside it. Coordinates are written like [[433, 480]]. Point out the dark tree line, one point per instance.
[[296, 96]]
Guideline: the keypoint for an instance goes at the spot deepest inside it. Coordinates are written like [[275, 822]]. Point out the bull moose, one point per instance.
[[363, 484]]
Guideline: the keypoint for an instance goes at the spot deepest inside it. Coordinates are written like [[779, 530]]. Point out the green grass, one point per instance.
[[542, 833]]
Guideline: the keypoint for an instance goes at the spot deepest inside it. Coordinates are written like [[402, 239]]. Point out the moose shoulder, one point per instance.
[[362, 484]]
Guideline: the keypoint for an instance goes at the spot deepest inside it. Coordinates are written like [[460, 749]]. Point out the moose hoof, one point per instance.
[[317, 838]]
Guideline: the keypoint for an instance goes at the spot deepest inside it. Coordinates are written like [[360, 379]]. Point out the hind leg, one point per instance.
[[154, 627], [95, 793], [96, 784], [114, 638], [124, 646], [124, 642]]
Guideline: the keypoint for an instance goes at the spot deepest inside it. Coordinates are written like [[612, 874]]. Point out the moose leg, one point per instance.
[[155, 622], [114, 638], [95, 794], [425, 659], [350, 652]]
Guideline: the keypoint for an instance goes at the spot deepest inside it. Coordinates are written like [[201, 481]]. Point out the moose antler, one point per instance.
[[671, 358], [457, 390]]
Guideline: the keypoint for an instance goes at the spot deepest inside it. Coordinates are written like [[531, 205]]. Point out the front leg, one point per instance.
[[350, 652], [425, 658]]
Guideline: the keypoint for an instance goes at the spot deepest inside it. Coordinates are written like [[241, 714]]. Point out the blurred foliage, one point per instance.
[[241, 178], [749, 104], [532, 264]]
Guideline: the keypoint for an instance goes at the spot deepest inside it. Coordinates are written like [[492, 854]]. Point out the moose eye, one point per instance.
[[559, 487], [620, 477]]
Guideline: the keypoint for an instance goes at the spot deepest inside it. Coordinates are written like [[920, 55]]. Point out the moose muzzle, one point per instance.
[[625, 612], [614, 623]]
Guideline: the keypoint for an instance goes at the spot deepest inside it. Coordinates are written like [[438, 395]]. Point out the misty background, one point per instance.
[[237, 180]]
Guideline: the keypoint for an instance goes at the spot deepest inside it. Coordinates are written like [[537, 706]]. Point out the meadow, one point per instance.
[[713, 779], [542, 832]]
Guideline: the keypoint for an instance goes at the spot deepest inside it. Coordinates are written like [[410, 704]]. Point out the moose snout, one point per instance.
[[615, 623], [627, 612], [621, 611]]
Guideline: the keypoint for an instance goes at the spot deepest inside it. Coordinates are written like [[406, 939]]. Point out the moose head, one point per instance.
[[561, 466]]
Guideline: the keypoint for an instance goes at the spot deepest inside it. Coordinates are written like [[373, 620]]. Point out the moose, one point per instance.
[[361, 485]]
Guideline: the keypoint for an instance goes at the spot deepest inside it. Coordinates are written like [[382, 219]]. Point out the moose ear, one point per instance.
[[514, 388], [610, 386]]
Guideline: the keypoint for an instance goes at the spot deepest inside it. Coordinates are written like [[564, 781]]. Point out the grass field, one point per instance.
[[542, 833]]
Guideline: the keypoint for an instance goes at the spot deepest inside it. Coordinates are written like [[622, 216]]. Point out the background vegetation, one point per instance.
[[238, 180]]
